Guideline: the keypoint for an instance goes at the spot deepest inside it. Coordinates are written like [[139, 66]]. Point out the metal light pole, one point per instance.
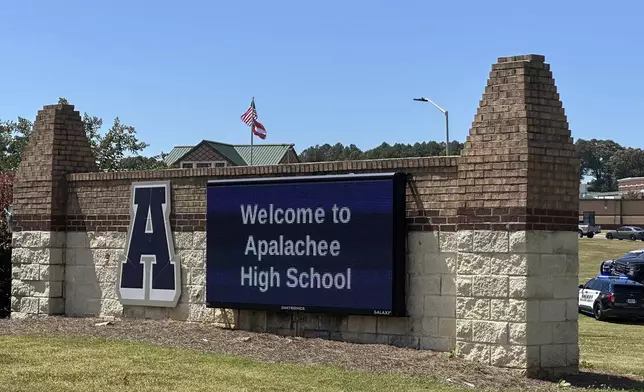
[[423, 99]]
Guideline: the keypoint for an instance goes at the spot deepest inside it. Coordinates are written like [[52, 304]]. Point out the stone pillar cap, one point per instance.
[[524, 57]]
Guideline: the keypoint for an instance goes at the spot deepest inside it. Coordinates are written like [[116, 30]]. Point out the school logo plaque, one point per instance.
[[149, 274]]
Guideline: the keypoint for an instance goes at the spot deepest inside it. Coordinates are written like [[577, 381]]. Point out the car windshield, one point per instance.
[[638, 229]]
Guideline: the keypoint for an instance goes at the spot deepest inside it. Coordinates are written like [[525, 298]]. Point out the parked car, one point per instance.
[[612, 296], [587, 226], [588, 230], [632, 233]]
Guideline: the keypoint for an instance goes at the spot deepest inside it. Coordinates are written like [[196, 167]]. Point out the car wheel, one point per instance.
[[609, 236], [581, 234], [632, 237], [591, 235], [598, 311]]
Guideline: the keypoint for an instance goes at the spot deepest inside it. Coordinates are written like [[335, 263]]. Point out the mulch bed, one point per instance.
[[275, 349]]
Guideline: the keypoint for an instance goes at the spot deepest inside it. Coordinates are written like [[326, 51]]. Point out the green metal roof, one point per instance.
[[239, 154], [263, 154], [176, 154]]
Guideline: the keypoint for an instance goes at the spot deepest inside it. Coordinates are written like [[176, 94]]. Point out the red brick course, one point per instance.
[[519, 169]]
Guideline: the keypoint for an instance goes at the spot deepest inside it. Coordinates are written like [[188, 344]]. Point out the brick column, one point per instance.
[[517, 242], [57, 146]]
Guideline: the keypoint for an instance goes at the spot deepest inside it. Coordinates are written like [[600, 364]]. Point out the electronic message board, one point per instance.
[[332, 243]]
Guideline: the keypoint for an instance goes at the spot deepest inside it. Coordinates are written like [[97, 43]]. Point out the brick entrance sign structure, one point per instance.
[[492, 251], [517, 253]]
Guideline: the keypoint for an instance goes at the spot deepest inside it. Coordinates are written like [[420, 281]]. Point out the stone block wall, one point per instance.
[[492, 252], [38, 273], [517, 299], [92, 258], [431, 270]]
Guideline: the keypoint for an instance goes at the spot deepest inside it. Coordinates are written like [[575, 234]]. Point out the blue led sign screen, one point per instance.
[[333, 244]]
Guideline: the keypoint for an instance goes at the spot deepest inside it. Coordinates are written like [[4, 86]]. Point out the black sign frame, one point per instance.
[[399, 244]]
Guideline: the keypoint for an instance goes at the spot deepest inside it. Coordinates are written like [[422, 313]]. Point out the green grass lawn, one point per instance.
[[608, 345], [82, 364]]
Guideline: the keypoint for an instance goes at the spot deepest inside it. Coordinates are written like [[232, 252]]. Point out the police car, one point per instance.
[[612, 296]]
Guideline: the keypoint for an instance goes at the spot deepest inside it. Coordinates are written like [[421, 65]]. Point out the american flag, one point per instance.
[[251, 114]]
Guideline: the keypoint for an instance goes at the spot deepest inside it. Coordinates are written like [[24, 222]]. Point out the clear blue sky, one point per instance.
[[321, 72]]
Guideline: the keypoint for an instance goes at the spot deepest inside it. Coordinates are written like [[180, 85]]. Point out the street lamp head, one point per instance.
[[421, 99]]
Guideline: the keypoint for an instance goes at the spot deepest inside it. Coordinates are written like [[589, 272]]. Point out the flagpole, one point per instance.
[[251, 141], [251, 145]]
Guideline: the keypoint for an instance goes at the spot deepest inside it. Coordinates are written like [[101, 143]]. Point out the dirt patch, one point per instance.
[[275, 349]]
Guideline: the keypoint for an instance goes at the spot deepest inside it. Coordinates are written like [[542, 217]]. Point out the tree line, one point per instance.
[[340, 152], [607, 162]]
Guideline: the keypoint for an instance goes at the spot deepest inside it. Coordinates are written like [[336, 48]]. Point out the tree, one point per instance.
[[628, 162], [595, 156], [110, 149], [327, 152], [13, 140], [142, 163]]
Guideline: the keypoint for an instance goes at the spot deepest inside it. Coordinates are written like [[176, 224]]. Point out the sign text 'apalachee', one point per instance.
[[305, 247]]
